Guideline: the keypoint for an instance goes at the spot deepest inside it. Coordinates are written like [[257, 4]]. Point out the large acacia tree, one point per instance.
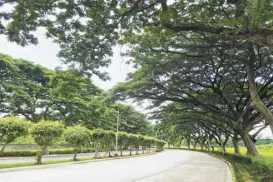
[[211, 76]]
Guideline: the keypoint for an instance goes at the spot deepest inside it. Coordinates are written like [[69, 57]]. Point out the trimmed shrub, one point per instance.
[[18, 153], [122, 140], [12, 128], [77, 136], [30, 153], [132, 141], [44, 134]]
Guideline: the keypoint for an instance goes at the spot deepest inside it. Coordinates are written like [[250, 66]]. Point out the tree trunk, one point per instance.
[[75, 155], [256, 101], [121, 154], [179, 144], [235, 144], [40, 155], [97, 154], [137, 151], [249, 144], [189, 144], [169, 145], [81, 148], [130, 150], [202, 145]]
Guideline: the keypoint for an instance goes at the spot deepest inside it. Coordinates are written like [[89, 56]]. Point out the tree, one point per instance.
[[12, 128], [122, 140], [77, 136], [44, 134], [86, 37], [97, 136], [132, 140], [109, 138], [74, 98], [216, 83]]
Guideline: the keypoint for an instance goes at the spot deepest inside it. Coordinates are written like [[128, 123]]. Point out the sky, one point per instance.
[[45, 53]]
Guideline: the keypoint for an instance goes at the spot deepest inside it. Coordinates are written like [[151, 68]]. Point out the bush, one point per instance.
[[44, 134], [10, 129], [18, 153]]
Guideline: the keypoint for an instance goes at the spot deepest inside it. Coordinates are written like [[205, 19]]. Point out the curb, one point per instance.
[[228, 164], [68, 163]]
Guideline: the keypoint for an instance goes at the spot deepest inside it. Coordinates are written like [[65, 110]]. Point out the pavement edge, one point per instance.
[[229, 166], [68, 163]]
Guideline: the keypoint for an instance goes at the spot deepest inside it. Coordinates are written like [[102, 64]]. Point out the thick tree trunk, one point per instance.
[[202, 146], [249, 144], [169, 145], [121, 154], [235, 144], [40, 155], [189, 144], [256, 101], [130, 150]]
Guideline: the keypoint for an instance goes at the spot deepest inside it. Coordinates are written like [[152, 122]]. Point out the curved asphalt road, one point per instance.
[[168, 166]]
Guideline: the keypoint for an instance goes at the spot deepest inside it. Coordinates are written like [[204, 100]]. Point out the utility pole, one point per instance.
[[117, 134]]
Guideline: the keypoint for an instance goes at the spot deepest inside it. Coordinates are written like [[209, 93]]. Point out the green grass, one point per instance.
[[16, 165], [264, 150]]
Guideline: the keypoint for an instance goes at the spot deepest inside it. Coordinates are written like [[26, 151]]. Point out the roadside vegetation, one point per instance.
[[45, 133], [205, 68]]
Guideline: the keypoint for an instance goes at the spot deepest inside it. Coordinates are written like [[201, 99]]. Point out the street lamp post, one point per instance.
[[117, 134]]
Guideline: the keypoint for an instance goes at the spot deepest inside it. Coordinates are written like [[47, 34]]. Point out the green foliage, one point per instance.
[[77, 136], [44, 134], [12, 128], [18, 153]]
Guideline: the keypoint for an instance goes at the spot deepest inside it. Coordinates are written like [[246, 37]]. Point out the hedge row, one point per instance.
[[28, 153], [45, 133]]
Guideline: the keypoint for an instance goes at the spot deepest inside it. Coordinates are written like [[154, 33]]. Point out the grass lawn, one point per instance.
[[264, 150]]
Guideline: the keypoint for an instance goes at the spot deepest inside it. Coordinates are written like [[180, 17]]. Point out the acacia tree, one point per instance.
[[12, 128], [44, 134], [219, 77], [77, 136]]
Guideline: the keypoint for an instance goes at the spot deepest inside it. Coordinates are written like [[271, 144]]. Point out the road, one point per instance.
[[168, 166], [10, 160]]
